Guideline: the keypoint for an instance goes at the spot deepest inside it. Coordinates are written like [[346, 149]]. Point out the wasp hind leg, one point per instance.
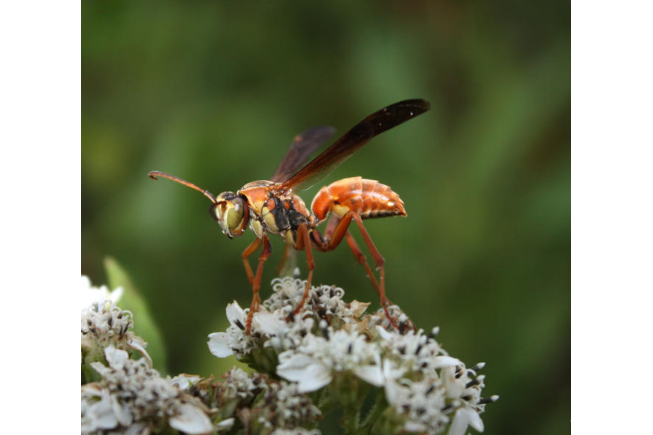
[[339, 229]]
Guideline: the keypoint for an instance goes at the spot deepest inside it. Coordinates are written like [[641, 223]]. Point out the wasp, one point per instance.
[[273, 206]]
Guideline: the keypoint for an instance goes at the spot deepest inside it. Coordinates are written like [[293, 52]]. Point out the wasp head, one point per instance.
[[231, 212]]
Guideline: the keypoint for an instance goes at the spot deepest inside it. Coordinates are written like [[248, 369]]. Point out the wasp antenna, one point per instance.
[[154, 174]]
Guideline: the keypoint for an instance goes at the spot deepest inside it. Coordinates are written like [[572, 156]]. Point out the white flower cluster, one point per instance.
[[262, 404], [104, 324], [133, 398], [282, 405], [271, 326], [331, 343]]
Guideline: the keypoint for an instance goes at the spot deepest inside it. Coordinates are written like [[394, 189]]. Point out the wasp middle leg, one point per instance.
[[303, 242]]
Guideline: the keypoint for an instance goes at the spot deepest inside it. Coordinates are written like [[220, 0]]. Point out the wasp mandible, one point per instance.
[[273, 207]]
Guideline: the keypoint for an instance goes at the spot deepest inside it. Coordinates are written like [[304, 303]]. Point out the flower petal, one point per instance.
[[383, 333], [191, 419], [236, 315], [219, 344], [415, 426], [371, 374], [475, 420], [391, 371], [315, 377], [293, 368], [268, 323], [393, 393], [310, 373], [465, 417], [138, 344], [122, 414], [225, 424], [90, 295], [183, 381], [102, 412], [116, 357], [139, 428], [445, 361]]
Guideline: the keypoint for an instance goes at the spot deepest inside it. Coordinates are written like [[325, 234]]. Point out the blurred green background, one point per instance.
[[213, 92]]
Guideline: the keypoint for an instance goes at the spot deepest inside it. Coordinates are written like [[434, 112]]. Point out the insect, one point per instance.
[[273, 207]]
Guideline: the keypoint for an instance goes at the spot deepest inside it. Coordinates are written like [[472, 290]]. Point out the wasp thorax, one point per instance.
[[231, 212]]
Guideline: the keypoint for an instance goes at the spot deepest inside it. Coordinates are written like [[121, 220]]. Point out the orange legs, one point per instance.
[[303, 241], [255, 281], [337, 230], [246, 253]]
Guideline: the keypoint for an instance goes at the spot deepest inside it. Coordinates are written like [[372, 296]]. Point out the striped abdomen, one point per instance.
[[368, 198]]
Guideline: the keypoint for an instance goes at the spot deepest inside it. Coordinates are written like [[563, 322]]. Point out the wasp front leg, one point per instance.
[[245, 255], [255, 280]]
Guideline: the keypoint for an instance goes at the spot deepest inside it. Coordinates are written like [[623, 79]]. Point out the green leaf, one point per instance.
[[144, 324]]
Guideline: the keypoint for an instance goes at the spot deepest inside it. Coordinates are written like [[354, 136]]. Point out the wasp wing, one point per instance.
[[355, 138], [303, 145]]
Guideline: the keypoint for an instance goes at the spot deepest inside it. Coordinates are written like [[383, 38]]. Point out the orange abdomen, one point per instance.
[[368, 198]]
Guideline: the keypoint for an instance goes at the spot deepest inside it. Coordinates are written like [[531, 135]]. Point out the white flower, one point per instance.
[[312, 364], [235, 340], [422, 403], [325, 299], [460, 385], [419, 351], [222, 344], [236, 384], [104, 325], [284, 406], [133, 397], [90, 295]]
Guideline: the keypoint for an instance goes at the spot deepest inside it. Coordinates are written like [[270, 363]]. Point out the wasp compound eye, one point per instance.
[[235, 213]]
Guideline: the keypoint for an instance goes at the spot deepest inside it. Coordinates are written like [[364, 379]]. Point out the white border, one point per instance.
[[612, 217], [40, 229]]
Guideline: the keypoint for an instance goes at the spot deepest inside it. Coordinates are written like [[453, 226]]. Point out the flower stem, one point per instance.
[[376, 411], [351, 419]]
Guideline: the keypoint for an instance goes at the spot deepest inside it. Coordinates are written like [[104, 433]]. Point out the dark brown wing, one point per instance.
[[355, 138], [300, 150]]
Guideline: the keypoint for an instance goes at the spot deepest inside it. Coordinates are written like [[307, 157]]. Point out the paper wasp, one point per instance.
[[273, 207]]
